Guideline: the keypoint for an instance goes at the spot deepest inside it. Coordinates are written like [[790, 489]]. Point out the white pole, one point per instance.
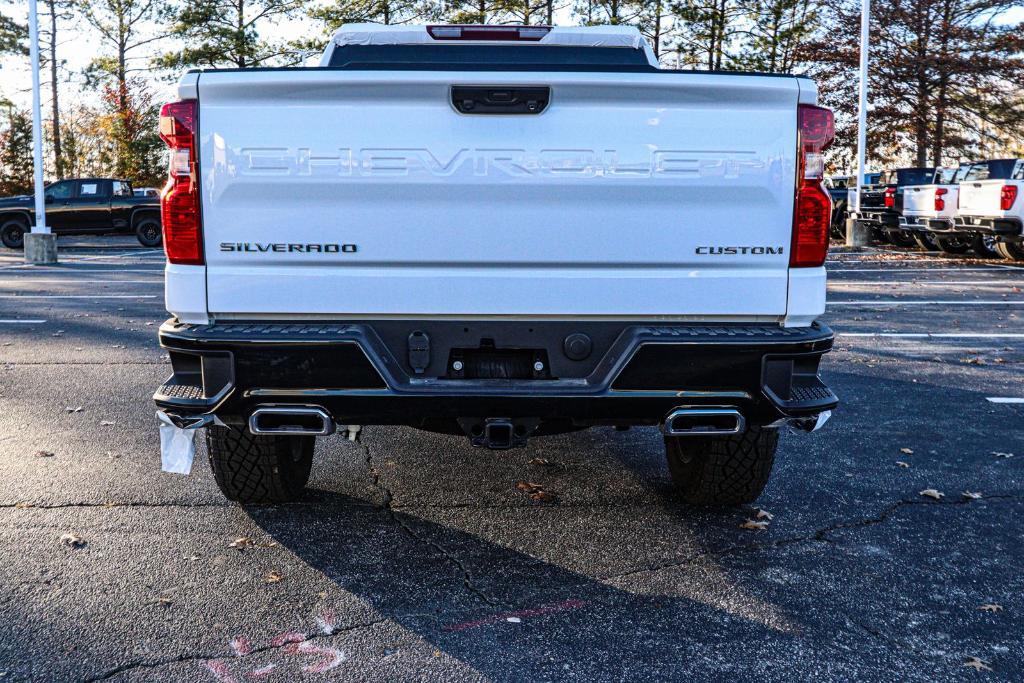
[[37, 120], [862, 111]]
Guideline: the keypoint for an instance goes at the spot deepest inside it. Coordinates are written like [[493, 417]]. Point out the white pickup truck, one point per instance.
[[929, 212], [992, 204], [496, 231]]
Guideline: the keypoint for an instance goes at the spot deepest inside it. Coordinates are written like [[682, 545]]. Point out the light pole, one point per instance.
[[40, 243], [855, 237]]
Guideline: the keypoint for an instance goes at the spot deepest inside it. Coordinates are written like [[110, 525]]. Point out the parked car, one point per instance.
[[881, 203], [504, 255], [84, 206], [992, 205]]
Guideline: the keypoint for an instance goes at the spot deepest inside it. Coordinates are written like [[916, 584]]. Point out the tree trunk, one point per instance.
[[240, 35], [58, 155]]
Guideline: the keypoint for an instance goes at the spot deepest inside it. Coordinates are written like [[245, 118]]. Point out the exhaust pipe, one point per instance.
[[703, 422], [307, 420]]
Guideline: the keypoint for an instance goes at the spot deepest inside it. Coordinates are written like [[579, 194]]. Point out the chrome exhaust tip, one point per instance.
[[704, 422], [294, 420]]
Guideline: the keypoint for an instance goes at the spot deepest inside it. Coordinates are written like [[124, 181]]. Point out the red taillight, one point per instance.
[[1007, 196], [179, 201], [812, 206], [479, 32], [940, 203], [890, 197]]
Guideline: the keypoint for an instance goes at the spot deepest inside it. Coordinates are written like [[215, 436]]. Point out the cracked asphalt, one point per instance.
[[415, 557]]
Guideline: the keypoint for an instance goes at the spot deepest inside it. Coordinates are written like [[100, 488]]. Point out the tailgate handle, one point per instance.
[[499, 99]]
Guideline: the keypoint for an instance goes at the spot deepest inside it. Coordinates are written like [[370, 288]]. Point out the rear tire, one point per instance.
[[722, 470], [926, 241], [255, 469], [901, 238], [148, 232], [1011, 250], [985, 246], [12, 233], [955, 244]]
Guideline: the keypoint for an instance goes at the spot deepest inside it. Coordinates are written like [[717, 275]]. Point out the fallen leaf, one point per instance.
[[1002, 455], [273, 577], [902, 464], [932, 493], [528, 486], [74, 410], [754, 525], [908, 451], [764, 514], [971, 495], [991, 607], [44, 454], [73, 540], [977, 664], [22, 505], [164, 601], [543, 497], [241, 542]]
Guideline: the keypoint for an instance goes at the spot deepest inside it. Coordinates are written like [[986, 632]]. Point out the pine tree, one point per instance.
[[229, 33], [775, 30], [16, 165], [707, 31]]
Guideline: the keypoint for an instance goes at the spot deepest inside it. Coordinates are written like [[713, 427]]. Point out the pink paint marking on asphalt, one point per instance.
[[240, 645], [262, 671], [220, 671], [287, 637], [521, 614], [332, 657]]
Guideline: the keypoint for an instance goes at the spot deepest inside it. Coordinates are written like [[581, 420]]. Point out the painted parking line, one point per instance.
[[78, 296], [21, 322], [925, 283], [934, 335], [1004, 399], [989, 269], [897, 302], [84, 282]]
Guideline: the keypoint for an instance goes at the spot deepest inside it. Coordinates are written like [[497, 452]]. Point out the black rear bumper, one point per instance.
[[404, 372], [1008, 228]]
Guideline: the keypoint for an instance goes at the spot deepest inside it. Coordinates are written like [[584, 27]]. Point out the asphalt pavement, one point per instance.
[[416, 557]]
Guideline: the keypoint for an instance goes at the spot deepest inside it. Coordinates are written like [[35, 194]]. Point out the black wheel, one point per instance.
[[954, 244], [259, 469], [985, 246], [722, 470], [901, 238], [879, 236], [148, 232], [12, 233], [839, 220], [926, 241], [1011, 250]]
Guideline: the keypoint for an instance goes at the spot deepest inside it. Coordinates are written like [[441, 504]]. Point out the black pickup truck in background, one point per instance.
[[84, 206], [880, 204]]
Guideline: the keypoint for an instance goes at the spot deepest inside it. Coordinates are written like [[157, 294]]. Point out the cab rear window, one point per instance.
[[448, 57]]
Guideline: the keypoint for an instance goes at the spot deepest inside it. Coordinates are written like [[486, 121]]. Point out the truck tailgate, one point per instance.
[[980, 197], [365, 193], [919, 200]]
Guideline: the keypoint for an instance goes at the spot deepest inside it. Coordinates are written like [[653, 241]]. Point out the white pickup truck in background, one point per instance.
[[930, 211], [992, 204], [495, 231]]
